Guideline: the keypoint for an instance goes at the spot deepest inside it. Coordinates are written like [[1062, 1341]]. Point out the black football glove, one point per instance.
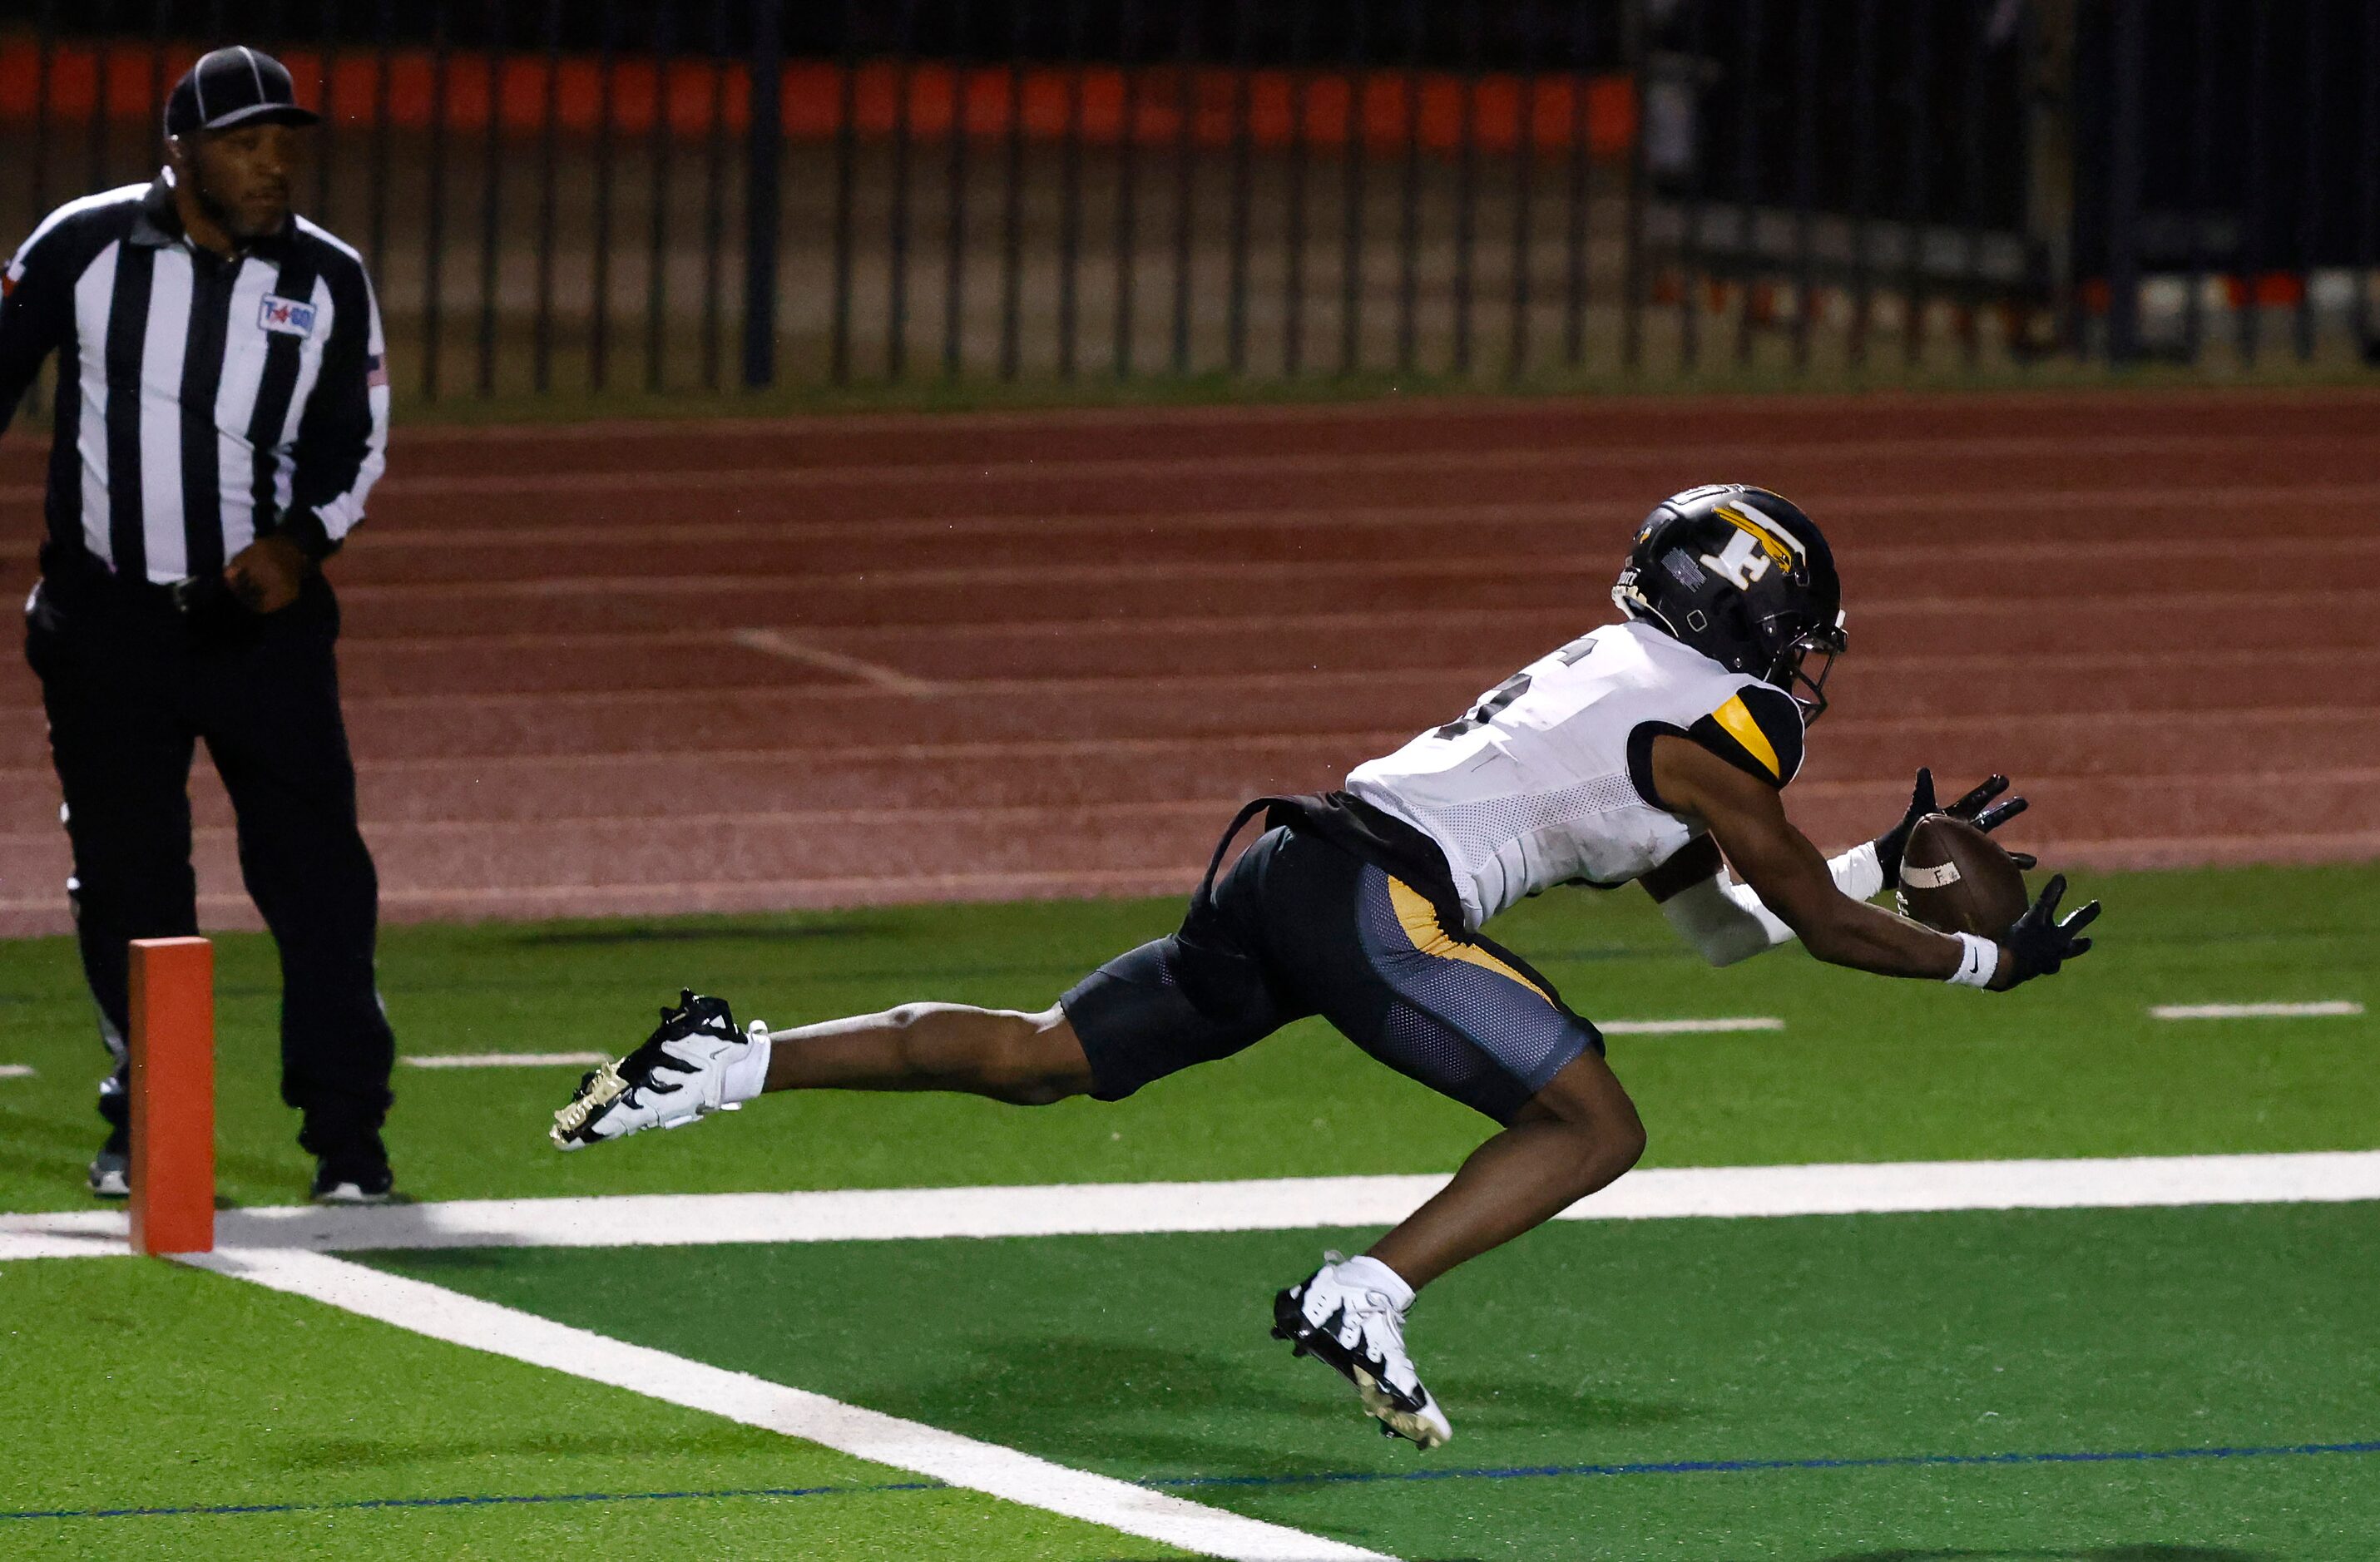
[[2038, 943], [1976, 808]]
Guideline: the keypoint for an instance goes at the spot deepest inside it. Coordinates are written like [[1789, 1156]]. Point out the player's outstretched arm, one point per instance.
[[1726, 922], [1746, 817]]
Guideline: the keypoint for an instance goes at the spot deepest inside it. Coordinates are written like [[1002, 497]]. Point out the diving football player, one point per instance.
[[1657, 749]]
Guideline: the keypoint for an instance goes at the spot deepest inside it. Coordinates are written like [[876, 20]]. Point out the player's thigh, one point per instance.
[[1458, 1016], [1163, 1007], [1201, 993]]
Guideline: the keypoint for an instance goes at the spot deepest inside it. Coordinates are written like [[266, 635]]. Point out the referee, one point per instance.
[[221, 412]]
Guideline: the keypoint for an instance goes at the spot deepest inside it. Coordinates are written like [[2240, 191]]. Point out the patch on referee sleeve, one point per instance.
[[1758, 732]]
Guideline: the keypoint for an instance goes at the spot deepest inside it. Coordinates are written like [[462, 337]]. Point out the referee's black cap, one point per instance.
[[232, 86]]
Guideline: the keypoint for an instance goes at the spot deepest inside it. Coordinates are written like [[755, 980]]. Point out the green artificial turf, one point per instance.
[[144, 1385], [1609, 1344], [1632, 1344], [1866, 1069]]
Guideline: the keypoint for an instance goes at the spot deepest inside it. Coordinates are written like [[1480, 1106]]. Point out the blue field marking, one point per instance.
[[1350, 1477], [230, 1509], [1753, 1465]]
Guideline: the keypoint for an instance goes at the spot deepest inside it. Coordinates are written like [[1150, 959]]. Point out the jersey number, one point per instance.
[[1487, 709], [1511, 689]]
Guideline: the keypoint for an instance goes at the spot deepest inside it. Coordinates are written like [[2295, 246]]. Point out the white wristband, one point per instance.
[[1980, 960]]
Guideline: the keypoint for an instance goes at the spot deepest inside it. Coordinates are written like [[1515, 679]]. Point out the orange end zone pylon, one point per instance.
[[172, 1096]]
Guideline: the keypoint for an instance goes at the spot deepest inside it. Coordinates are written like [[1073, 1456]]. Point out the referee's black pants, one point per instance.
[[130, 685]]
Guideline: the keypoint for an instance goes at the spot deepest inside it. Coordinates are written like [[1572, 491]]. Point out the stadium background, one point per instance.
[[888, 456]]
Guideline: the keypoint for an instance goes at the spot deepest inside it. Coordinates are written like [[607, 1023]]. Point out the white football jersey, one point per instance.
[[1547, 779]]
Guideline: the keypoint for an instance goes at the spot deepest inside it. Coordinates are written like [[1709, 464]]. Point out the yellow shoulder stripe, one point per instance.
[[1735, 719], [1419, 919]]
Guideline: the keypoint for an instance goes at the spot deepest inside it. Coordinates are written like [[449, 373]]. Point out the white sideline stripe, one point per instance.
[[80, 1233], [1288, 1203], [503, 1060], [1690, 1027], [2255, 1010], [16, 1070], [797, 1412], [777, 643]]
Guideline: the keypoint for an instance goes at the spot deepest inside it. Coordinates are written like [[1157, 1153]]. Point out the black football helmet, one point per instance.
[[1743, 576]]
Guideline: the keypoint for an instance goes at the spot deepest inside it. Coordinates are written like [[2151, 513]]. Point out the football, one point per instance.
[[1955, 879]]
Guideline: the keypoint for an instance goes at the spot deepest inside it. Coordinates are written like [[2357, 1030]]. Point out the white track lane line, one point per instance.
[[1274, 1205], [1492, 460], [905, 1445], [2335, 1007], [777, 643], [1690, 1027], [503, 1060], [16, 1070]]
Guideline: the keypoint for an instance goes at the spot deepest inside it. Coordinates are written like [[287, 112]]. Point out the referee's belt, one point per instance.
[[79, 580]]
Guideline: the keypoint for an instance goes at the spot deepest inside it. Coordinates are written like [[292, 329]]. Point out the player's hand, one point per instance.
[[2038, 943], [1976, 808]]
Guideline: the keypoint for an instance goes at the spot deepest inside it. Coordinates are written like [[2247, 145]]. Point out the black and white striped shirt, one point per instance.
[[202, 402]]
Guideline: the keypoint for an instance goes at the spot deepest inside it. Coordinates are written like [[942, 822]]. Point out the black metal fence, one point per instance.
[[681, 194]]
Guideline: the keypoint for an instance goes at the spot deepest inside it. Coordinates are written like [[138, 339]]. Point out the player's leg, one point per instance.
[[1577, 1134], [1028, 1059], [1474, 1023], [1196, 995], [696, 1062]]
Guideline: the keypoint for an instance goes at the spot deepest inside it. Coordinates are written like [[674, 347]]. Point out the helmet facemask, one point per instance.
[[1791, 671]]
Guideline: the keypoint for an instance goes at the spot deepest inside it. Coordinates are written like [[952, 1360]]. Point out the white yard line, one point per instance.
[[2255, 1010], [1690, 1027], [1273, 1204], [16, 1070], [904, 1444], [777, 643], [504, 1059]]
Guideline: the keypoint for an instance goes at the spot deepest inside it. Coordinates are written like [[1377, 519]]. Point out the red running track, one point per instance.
[[657, 668]]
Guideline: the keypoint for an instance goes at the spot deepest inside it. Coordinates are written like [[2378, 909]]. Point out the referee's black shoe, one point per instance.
[[355, 1172]]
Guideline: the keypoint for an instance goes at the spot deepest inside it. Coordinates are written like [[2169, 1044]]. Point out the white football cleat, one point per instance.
[[1360, 1331], [695, 1064]]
